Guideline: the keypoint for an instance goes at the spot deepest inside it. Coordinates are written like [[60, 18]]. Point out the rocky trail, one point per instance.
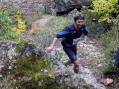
[[89, 54]]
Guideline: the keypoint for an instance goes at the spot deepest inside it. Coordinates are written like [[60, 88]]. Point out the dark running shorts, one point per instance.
[[71, 52]]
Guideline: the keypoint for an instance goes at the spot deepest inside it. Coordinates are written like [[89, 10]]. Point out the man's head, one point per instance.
[[79, 20]]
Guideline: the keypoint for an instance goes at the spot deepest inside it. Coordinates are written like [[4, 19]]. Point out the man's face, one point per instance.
[[79, 22]]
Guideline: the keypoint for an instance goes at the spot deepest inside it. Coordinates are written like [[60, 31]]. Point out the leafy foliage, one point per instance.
[[104, 8], [103, 25], [110, 42], [11, 25], [34, 68]]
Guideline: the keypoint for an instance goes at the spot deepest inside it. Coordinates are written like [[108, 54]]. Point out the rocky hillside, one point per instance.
[[33, 7]]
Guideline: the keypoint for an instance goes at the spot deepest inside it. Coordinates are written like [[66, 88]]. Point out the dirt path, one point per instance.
[[89, 55], [37, 26]]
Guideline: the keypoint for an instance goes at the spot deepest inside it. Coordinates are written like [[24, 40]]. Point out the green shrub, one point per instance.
[[109, 67], [105, 29], [11, 25], [34, 67], [104, 8], [101, 11], [110, 41]]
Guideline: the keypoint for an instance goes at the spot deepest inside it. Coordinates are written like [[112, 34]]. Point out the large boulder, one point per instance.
[[65, 6]]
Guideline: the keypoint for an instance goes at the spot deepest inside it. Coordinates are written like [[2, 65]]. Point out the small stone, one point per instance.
[[1, 76], [45, 71]]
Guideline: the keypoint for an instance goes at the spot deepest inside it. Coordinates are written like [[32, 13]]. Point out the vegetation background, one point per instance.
[[102, 18]]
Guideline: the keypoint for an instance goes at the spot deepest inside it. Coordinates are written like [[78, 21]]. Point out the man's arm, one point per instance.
[[61, 34], [54, 42], [51, 47], [85, 38]]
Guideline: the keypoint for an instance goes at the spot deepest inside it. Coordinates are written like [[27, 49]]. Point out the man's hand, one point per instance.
[[85, 39], [49, 49]]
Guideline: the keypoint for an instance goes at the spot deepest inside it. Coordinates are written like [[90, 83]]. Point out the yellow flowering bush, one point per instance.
[[11, 25], [20, 24], [104, 8]]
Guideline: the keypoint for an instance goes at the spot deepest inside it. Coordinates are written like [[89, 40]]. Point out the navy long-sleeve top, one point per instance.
[[70, 32]]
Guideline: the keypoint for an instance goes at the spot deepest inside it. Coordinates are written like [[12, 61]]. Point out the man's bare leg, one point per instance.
[[76, 66]]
